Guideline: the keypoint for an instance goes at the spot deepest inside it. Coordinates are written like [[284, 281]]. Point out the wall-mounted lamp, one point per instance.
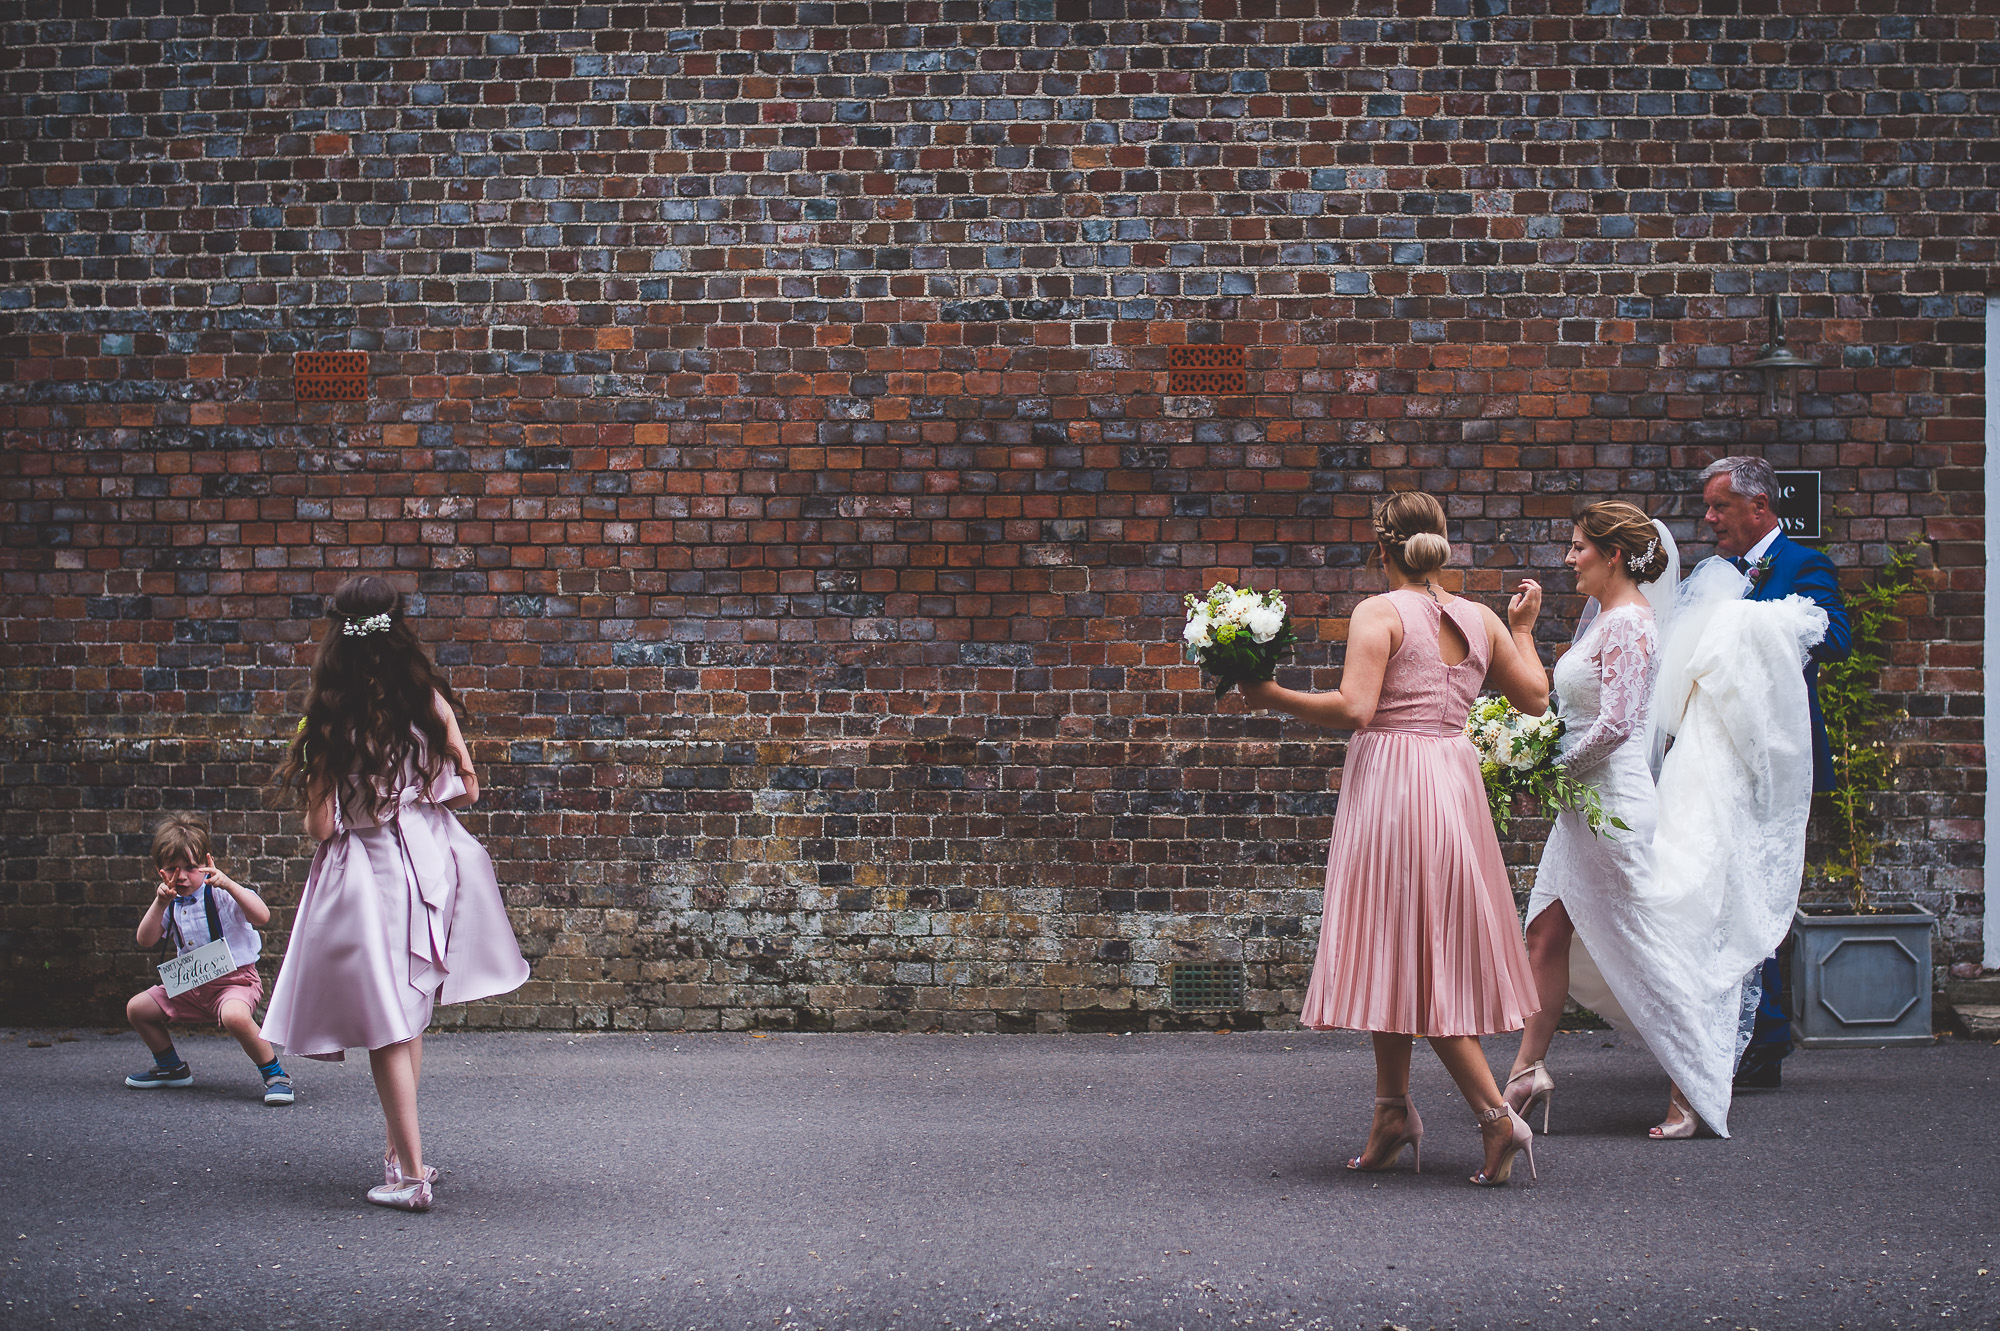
[[1780, 366]]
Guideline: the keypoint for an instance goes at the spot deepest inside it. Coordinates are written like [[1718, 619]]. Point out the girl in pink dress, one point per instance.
[[1419, 935], [401, 908]]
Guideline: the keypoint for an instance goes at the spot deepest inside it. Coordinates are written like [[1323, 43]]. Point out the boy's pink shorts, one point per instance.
[[205, 1003]]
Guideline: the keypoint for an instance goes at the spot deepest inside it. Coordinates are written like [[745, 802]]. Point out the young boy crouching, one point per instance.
[[190, 911]]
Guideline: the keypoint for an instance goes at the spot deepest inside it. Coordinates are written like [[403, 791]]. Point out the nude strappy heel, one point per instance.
[[1680, 1123], [1413, 1137], [1529, 1087], [1522, 1140]]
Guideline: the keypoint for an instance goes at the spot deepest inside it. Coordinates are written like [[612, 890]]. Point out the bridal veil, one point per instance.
[[1734, 792]]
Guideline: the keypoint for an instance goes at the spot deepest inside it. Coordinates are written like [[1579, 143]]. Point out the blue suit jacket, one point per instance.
[[1800, 570]]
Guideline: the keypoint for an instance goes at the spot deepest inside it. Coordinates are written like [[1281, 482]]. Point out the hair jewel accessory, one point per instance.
[[361, 628], [1637, 562]]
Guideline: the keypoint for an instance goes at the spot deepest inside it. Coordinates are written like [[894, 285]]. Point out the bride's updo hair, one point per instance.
[[1410, 525], [1623, 532]]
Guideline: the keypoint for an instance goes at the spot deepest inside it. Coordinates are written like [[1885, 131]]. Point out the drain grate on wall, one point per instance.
[[330, 376], [1206, 986], [1204, 370]]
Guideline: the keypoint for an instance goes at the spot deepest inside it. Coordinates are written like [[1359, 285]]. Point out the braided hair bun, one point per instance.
[[1410, 525], [1424, 552]]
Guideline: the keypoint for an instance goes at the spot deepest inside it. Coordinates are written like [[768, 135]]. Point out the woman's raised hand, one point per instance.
[[1526, 606]]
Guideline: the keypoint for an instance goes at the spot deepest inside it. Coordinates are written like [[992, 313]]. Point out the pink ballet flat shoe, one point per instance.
[[392, 1173], [1529, 1087], [1413, 1137], [1523, 1139], [406, 1194]]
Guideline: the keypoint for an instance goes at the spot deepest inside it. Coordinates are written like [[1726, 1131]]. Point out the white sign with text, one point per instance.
[[191, 970]]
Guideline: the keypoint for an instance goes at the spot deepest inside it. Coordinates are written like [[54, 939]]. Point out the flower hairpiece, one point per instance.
[[361, 628], [1637, 562]]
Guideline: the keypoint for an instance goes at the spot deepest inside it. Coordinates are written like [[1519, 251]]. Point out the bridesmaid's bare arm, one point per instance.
[[1516, 668], [1371, 639]]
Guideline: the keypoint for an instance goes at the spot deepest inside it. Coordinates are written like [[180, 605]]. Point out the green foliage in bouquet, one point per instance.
[[1517, 756], [1237, 635], [1854, 712]]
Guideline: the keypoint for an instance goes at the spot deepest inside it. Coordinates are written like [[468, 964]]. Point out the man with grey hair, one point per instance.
[[1742, 497]]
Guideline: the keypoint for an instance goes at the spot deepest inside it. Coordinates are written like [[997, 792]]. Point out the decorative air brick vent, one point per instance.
[[1206, 986], [1204, 370], [330, 376]]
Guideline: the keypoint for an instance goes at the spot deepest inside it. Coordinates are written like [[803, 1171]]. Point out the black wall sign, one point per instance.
[[1798, 504]]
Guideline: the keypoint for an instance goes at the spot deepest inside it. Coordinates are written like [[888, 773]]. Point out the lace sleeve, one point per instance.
[[1625, 662]]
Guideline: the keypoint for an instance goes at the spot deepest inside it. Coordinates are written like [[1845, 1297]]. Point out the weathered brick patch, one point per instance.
[[772, 413]]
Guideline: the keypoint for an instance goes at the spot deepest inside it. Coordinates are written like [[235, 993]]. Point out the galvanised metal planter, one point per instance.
[[1861, 980]]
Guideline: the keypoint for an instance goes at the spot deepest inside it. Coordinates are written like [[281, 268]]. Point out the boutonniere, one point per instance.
[[1758, 571]]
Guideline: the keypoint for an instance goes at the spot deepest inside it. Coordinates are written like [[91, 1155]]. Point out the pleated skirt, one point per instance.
[[1419, 935]]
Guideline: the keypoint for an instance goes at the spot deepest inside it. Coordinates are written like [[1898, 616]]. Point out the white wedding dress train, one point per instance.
[[1671, 916]]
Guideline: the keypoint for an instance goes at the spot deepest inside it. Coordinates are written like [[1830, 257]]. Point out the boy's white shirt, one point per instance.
[[191, 920]]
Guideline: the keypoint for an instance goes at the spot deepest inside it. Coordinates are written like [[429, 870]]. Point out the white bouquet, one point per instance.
[[1237, 635], [1517, 756]]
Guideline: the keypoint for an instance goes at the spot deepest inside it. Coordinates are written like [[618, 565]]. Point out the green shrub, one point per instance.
[[1855, 711]]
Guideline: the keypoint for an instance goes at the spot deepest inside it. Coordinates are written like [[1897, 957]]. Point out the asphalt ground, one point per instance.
[[941, 1181]]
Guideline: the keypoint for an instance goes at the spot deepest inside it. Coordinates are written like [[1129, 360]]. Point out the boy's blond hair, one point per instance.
[[180, 838]]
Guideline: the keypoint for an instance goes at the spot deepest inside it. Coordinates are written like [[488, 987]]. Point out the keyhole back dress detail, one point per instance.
[[1419, 934]]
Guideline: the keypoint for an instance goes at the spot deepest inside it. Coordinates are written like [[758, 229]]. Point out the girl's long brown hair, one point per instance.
[[372, 696]]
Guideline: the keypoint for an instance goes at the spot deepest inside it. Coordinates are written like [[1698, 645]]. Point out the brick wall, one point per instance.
[[768, 417]]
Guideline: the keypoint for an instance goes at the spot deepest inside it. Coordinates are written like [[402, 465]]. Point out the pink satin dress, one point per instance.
[[397, 914], [1419, 934]]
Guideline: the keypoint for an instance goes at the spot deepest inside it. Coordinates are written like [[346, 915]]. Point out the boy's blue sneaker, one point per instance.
[[278, 1089], [156, 1076]]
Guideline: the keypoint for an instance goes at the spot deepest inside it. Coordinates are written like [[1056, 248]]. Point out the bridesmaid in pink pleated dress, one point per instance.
[[401, 908], [1420, 936]]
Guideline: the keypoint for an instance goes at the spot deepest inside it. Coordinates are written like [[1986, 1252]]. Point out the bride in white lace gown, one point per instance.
[[1656, 928], [1589, 887]]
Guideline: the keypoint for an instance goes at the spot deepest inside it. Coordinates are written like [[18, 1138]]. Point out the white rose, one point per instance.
[[1197, 630], [1264, 622]]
